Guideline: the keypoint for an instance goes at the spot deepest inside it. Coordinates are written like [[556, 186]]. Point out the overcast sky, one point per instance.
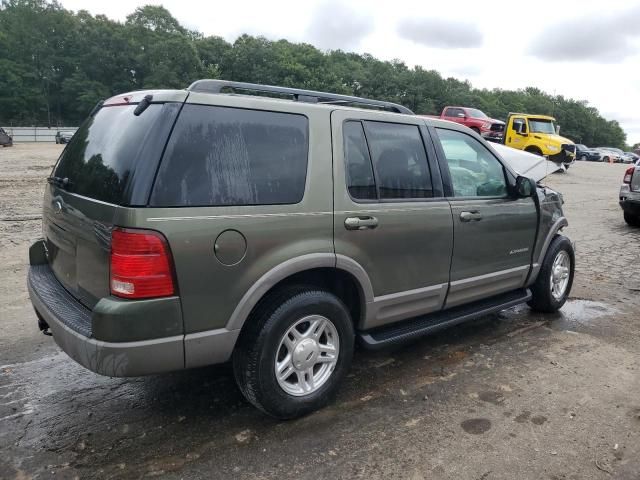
[[584, 49]]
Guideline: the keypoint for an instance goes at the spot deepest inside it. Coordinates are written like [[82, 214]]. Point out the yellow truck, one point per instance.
[[538, 134]]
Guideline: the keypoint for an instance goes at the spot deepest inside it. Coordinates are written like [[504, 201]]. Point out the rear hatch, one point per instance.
[[109, 165]]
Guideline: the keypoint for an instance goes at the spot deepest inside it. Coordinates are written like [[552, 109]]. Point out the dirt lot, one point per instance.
[[514, 395]]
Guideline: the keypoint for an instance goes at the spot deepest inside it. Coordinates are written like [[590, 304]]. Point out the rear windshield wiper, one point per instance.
[[143, 105], [59, 182]]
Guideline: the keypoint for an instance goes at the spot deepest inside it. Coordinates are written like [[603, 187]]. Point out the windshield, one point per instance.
[[539, 125], [474, 113]]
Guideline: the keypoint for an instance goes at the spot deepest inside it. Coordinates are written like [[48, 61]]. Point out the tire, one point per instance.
[[262, 342], [583, 158], [632, 220], [605, 159], [543, 300]]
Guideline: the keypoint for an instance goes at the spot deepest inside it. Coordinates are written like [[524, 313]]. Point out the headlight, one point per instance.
[[486, 125], [553, 148]]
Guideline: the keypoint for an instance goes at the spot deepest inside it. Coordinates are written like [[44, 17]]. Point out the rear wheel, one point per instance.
[[551, 288], [632, 220], [295, 352]]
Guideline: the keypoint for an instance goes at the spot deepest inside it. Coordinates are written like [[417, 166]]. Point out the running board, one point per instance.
[[413, 328]]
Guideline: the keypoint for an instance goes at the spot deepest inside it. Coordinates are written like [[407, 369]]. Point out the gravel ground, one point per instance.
[[514, 395]]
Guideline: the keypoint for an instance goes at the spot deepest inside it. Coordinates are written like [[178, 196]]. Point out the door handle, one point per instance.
[[360, 223], [471, 216]]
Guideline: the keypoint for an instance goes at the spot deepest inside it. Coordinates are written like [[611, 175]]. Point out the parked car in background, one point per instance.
[[274, 233], [538, 134], [610, 155], [476, 120], [630, 157], [63, 137], [630, 195], [588, 154], [5, 139]]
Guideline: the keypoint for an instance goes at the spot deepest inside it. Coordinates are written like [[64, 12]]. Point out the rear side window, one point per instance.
[[360, 180], [399, 160], [114, 154], [228, 156]]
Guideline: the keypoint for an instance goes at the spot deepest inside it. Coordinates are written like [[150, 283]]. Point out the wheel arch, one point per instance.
[[555, 229], [534, 149], [338, 274]]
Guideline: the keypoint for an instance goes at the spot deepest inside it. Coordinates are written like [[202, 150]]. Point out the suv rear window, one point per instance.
[[114, 154], [229, 156]]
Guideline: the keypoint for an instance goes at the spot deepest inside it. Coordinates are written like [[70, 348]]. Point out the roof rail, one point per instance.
[[297, 95]]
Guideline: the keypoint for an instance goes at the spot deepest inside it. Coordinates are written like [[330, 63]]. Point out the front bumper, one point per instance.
[[564, 157], [493, 136]]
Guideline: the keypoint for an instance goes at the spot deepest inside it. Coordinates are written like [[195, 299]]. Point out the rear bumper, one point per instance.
[[629, 201], [68, 321], [75, 327]]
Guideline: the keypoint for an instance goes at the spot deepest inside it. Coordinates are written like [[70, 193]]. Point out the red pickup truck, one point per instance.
[[476, 120]]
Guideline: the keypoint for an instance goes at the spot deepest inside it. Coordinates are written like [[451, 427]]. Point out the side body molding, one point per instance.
[[558, 225]]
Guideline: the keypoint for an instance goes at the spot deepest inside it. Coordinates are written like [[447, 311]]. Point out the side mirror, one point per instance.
[[525, 187], [462, 115], [557, 129]]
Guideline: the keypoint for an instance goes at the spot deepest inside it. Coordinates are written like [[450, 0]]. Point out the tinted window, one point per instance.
[[231, 156], [399, 160], [360, 179], [114, 155], [454, 112], [475, 172]]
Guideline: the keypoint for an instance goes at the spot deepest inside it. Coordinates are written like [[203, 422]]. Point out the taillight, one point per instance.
[[141, 264], [628, 175]]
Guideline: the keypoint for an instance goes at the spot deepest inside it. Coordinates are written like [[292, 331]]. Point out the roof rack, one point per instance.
[[296, 94]]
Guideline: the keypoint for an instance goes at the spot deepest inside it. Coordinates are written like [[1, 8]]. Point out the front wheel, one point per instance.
[[295, 352], [551, 288]]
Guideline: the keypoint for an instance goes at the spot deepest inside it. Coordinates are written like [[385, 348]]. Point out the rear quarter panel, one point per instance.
[[210, 290]]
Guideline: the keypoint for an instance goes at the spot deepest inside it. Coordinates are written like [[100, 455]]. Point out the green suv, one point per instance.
[[192, 227]]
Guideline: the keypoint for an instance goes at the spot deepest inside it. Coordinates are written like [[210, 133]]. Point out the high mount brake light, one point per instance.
[[141, 264]]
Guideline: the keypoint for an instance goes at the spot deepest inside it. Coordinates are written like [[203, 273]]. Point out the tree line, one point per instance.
[[56, 64]]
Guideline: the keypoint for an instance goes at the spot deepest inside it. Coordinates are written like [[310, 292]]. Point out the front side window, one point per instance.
[[475, 172], [475, 113], [220, 156], [520, 125], [399, 160]]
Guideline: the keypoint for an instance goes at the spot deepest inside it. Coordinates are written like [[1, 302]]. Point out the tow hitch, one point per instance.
[[43, 326]]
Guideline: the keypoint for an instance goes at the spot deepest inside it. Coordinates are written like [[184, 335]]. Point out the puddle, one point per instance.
[[585, 311]]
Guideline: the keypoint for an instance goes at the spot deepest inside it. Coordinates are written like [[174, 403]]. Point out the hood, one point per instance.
[[493, 120], [553, 137], [525, 163]]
